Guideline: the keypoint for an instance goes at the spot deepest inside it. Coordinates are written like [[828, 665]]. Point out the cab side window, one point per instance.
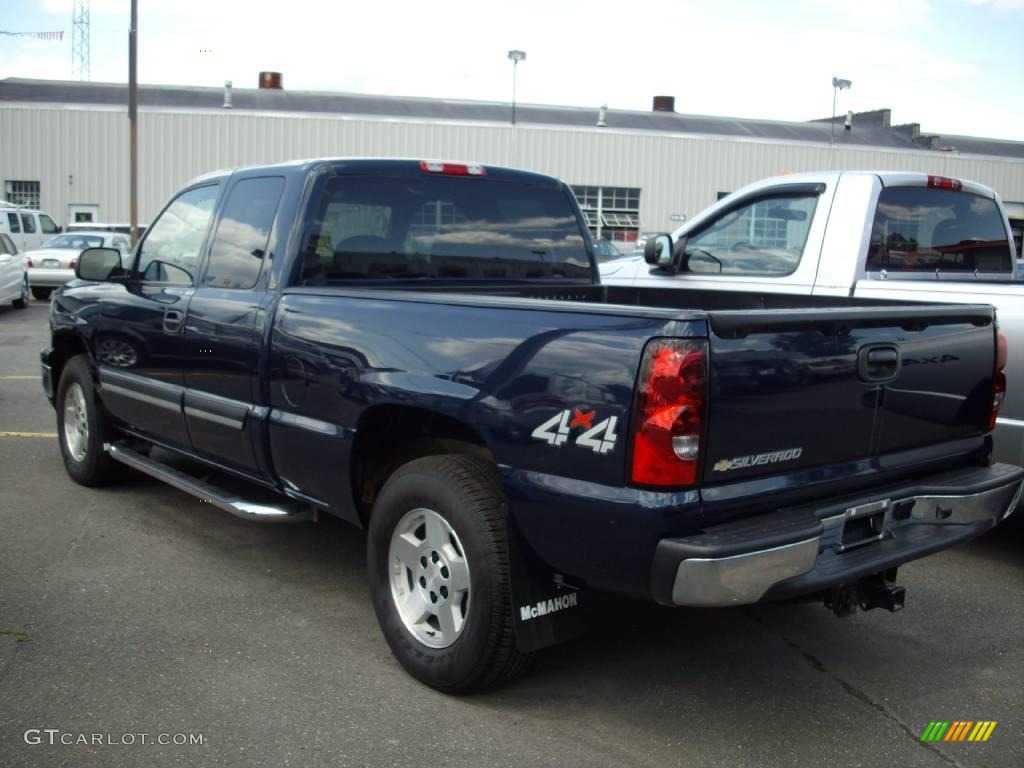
[[13, 222], [29, 223], [239, 246], [170, 252], [763, 237]]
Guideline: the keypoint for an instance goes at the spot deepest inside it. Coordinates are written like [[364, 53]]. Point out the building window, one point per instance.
[[23, 193], [611, 213]]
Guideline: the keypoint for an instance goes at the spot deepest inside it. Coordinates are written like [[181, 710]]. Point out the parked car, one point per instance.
[[898, 235], [53, 265], [96, 226], [511, 432], [28, 227], [605, 250], [13, 274]]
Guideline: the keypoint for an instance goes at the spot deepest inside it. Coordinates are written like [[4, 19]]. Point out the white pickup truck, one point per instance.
[[906, 236]]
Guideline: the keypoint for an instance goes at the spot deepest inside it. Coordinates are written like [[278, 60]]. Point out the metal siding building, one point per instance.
[[72, 138]]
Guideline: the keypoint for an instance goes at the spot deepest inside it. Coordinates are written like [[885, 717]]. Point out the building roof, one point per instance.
[[873, 133]]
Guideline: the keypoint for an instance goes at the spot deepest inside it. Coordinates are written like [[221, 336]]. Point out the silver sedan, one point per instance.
[[53, 265]]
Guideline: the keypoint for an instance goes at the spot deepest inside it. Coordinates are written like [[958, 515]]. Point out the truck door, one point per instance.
[[766, 241], [223, 331], [137, 329]]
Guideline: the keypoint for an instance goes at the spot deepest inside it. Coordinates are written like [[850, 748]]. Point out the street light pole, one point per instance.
[[515, 57], [838, 84]]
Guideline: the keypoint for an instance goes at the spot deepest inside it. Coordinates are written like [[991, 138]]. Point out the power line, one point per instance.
[[59, 35]]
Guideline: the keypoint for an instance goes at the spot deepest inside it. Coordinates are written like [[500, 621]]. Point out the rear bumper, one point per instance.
[[807, 549], [41, 277]]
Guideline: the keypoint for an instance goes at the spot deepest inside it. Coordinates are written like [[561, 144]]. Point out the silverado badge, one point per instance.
[[757, 459]]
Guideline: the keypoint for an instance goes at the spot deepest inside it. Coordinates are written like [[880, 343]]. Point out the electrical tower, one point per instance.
[[80, 40]]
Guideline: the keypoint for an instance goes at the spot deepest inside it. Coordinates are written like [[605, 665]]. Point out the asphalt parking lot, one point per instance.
[[137, 610]]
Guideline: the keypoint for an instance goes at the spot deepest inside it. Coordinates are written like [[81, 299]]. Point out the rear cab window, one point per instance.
[[440, 227], [939, 231], [13, 222]]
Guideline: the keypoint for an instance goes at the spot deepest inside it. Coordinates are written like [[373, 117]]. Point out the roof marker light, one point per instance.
[[941, 182], [452, 169]]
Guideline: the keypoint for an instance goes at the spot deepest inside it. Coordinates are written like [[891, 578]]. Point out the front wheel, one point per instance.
[[82, 426], [438, 564]]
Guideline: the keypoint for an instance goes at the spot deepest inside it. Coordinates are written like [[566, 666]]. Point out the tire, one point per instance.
[[447, 512], [22, 301], [42, 294], [82, 426]]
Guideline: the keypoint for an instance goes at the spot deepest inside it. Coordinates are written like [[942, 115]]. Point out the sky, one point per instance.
[[954, 66]]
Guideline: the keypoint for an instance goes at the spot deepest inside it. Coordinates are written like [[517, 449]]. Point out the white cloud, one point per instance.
[[1002, 5], [877, 14]]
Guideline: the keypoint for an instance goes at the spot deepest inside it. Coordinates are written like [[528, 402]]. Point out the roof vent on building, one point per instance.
[[227, 94], [271, 81], [602, 113], [848, 125], [664, 104]]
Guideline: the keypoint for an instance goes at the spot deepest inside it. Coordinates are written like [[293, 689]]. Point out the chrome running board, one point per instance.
[[281, 511]]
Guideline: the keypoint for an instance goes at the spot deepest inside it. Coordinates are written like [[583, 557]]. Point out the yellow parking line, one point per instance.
[[28, 434]]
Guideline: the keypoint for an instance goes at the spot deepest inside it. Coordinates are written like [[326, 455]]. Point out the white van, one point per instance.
[[28, 227]]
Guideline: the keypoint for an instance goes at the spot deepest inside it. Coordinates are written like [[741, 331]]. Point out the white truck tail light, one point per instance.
[[999, 380], [942, 182], [452, 169], [669, 412]]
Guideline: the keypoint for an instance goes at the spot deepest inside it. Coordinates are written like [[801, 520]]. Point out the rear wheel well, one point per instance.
[[390, 436]]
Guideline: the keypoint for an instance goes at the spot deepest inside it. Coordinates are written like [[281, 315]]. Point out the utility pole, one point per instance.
[[133, 120], [80, 54]]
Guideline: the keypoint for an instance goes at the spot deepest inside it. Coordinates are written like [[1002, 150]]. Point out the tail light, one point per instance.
[[28, 262], [999, 380], [941, 182], [452, 169], [668, 416], [73, 264]]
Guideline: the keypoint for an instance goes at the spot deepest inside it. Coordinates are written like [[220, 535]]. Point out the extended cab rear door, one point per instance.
[[223, 331]]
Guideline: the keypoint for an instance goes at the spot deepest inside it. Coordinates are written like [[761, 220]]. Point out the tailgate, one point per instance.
[[803, 388]]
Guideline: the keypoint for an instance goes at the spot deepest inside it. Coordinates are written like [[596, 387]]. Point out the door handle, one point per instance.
[[172, 321], [878, 363]]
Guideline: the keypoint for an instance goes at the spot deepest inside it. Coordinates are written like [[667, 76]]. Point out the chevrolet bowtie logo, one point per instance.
[[724, 464]]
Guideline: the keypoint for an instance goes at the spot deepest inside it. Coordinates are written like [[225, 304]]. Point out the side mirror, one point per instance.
[[99, 264], [658, 250], [661, 252]]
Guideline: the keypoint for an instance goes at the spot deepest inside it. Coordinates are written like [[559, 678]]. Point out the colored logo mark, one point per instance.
[[958, 730]]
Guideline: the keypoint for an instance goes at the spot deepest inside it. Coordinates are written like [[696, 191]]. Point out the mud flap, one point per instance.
[[546, 611]]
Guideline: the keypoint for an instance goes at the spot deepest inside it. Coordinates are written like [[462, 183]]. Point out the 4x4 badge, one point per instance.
[[600, 438]]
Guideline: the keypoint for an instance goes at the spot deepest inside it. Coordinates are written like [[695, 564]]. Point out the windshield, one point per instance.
[[73, 242], [441, 227]]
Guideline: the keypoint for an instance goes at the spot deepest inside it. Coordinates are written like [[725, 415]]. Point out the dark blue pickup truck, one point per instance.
[[424, 349]]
